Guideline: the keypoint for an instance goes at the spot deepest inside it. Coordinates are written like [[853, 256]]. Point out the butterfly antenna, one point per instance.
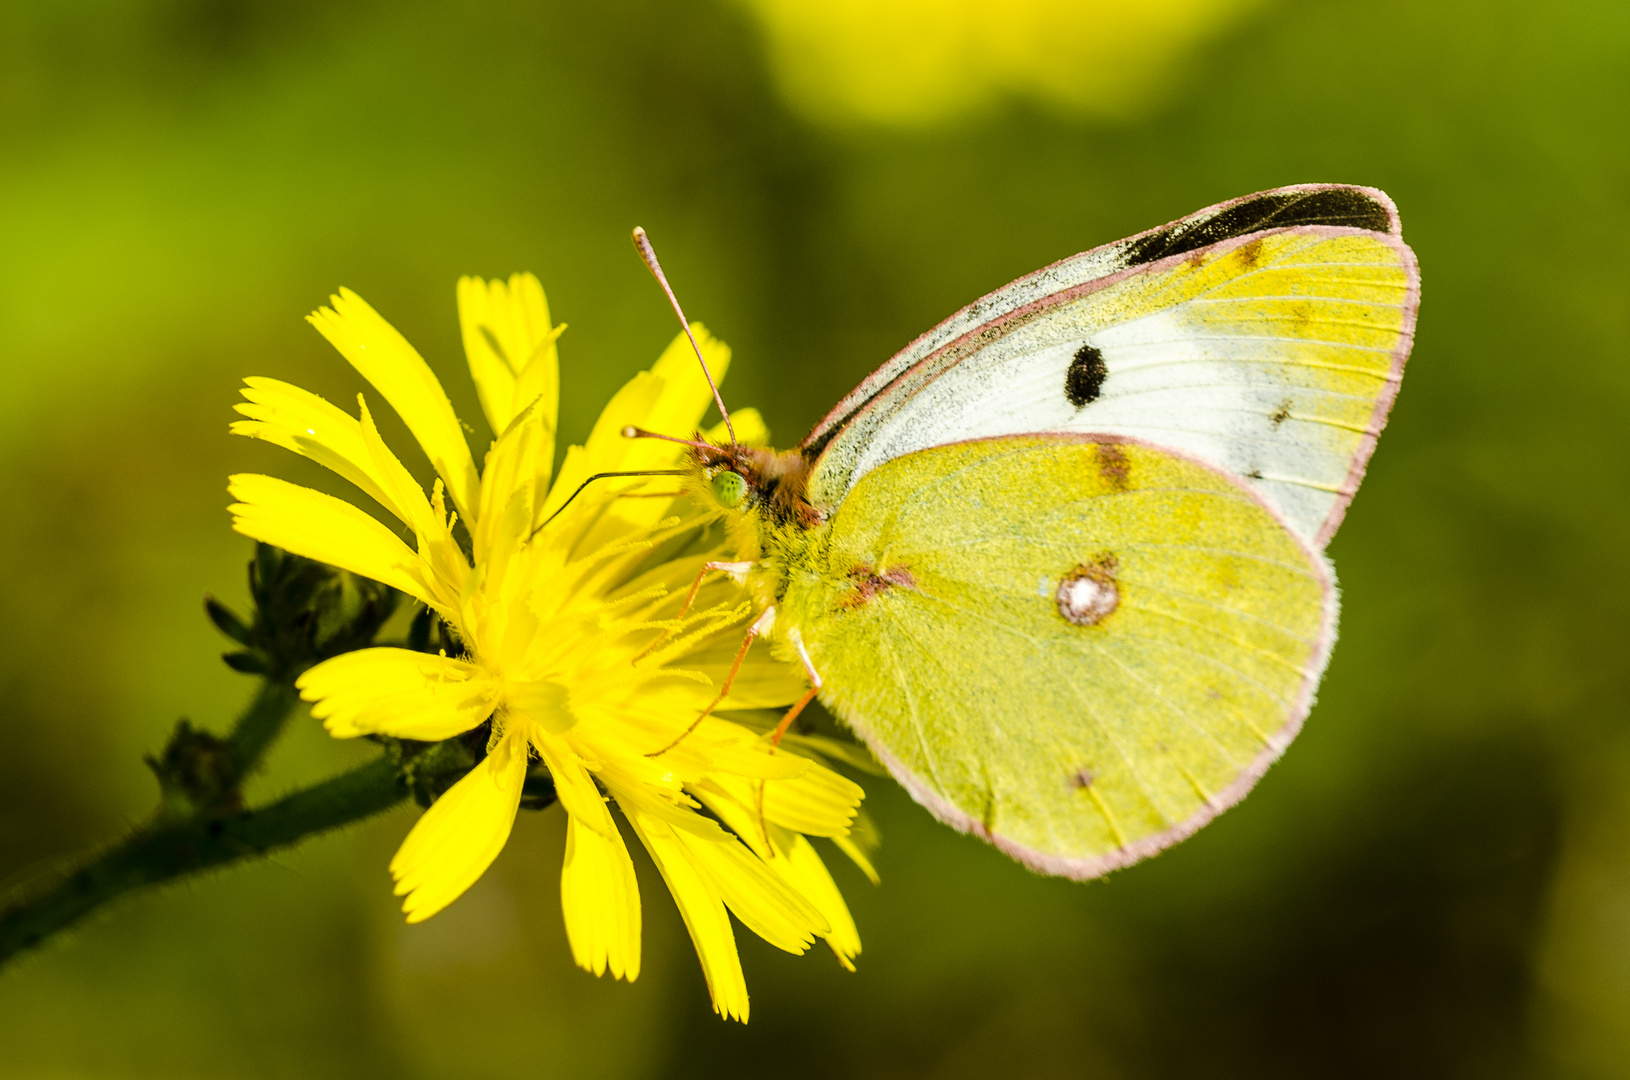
[[632, 432], [649, 254]]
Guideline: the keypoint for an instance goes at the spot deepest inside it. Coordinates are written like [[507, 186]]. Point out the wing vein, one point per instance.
[[1109, 734]]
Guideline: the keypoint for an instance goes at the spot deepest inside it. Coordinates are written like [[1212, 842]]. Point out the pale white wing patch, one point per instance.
[[1274, 358], [1239, 401]]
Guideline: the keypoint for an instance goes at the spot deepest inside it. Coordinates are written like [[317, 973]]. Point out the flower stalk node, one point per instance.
[[304, 612], [197, 774]]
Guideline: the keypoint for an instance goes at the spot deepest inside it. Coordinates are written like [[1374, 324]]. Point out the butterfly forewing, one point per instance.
[[1273, 354], [1079, 649]]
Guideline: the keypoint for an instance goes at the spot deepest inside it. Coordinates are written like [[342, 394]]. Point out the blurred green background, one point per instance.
[[1434, 882]]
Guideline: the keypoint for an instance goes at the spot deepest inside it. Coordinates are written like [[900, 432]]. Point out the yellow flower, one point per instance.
[[568, 611]]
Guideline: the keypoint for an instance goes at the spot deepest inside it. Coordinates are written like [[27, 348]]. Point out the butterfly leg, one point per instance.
[[760, 625], [814, 688], [786, 723], [735, 569]]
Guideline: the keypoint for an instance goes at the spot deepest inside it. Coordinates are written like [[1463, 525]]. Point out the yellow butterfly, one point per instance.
[[1059, 563]]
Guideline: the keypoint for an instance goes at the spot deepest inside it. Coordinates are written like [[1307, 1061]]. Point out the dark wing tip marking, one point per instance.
[[1085, 378], [812, 447], [1343, 206]]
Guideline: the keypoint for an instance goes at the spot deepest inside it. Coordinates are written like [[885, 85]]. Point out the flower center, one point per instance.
[[545, 703]]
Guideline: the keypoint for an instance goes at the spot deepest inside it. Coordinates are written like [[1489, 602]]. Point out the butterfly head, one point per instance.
[[755, 481]]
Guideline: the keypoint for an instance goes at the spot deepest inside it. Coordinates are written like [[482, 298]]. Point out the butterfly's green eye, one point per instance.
[[729, 488]]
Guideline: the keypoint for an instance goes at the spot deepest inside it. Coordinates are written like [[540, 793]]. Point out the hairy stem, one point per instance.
[[260, 725], [167, 849]]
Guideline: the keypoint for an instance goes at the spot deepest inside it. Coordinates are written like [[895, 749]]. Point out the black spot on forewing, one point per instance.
[[1086, 376], [1081, 779], [1329, 206], [1281, 414]]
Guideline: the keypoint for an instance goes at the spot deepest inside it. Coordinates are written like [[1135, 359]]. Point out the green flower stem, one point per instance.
[[260, 725], [305, 613], [167, 848]]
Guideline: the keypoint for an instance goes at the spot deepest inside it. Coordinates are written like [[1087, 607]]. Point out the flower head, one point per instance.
[[576, 653]]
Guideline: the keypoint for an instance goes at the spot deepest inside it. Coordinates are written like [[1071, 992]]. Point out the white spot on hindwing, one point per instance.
[[1085, 602], [1089, 594]]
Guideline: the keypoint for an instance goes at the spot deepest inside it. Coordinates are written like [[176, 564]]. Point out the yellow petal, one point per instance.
[[637, 784], [324, 528], [308, 425], [703, 911], [757, 896], [303, 422], [858, 856], [462, 832], [817, 803], [573, 784], [601, 902], [791, 857], [750, 429], [407, 498], [670, 400], [438, 550], [510, 344], [853, 754], [801, 867], [509, 489], [607, 446], [410, 695], [763, 681], [752, 758], [384, 358]]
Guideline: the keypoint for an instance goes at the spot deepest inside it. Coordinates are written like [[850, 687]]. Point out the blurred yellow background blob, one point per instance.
[[919, 62]]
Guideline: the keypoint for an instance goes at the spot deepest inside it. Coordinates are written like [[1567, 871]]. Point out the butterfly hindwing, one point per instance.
[[1080, 649], [1265, 337]]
